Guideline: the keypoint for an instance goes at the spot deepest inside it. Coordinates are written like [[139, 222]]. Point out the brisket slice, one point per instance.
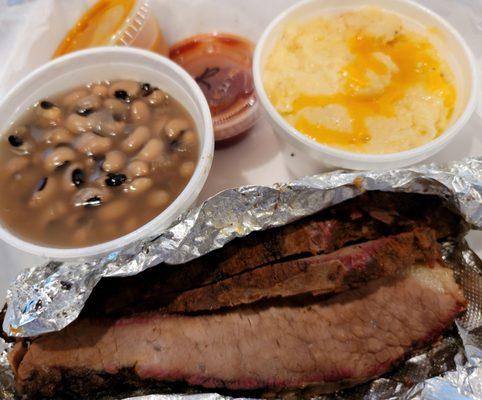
[[348, 339], [302, 238], [370, 216], [328, 273]]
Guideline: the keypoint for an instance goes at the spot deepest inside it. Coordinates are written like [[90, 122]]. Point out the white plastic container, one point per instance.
[[305, 156], [111, 63]]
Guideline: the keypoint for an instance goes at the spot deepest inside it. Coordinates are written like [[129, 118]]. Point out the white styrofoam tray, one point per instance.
[[30, 30]]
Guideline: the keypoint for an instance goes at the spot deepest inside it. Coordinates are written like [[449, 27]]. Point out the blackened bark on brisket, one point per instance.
[[307, 237], [370, 216], [343, 269]]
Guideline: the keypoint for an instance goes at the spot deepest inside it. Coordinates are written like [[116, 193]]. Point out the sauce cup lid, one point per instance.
[[221, 64]]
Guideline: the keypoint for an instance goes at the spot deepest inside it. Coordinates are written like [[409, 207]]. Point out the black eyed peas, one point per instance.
[[100, 90], [48, 114], [76, 123], [159, 124], [19, 141], [114, 180], [91, 144], [57, 136], [104, 123], [157, 97], [59, 157], [15, 141], [125, 90], [115, 161], [140, 112], [20, 146], [119, 109], [136, 139], [152, 150], [95, 163], [138, 168], [189, 139], [73, 177], [91, 197], [70, 99], [88, 104], [176, 127], [140, 185]]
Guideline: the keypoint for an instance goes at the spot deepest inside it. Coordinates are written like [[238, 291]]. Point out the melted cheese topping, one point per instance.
[[97, 26], [360, 81]]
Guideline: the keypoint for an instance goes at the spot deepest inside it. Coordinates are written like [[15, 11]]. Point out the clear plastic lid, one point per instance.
[[221, 65], [142, 30]]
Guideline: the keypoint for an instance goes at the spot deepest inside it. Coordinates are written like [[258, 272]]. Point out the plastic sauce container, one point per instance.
[[115, 22], [221, 64]]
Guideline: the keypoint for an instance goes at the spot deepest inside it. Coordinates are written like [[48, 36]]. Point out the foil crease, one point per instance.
[[49, 297]]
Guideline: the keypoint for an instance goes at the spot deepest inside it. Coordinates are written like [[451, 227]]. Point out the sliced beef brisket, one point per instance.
[[351, 338], [367, 217], [346, 268]]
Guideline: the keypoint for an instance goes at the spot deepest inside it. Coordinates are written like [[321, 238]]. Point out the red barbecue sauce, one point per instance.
[[221, 65]]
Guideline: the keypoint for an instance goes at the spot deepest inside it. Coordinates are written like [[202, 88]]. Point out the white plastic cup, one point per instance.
[[113, 63], [305, 156]]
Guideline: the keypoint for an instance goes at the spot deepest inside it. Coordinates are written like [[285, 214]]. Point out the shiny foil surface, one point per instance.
[[49, 297]]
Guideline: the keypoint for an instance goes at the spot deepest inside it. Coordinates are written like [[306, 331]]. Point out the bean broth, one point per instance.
[[95, 163]]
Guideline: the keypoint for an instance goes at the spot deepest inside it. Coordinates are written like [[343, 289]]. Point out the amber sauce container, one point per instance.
[[115, 22]]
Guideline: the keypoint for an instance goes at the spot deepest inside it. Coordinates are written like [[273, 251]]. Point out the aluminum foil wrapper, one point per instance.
[[48, 297]]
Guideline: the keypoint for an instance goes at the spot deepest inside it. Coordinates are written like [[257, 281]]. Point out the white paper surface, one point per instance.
[[30, 30]]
